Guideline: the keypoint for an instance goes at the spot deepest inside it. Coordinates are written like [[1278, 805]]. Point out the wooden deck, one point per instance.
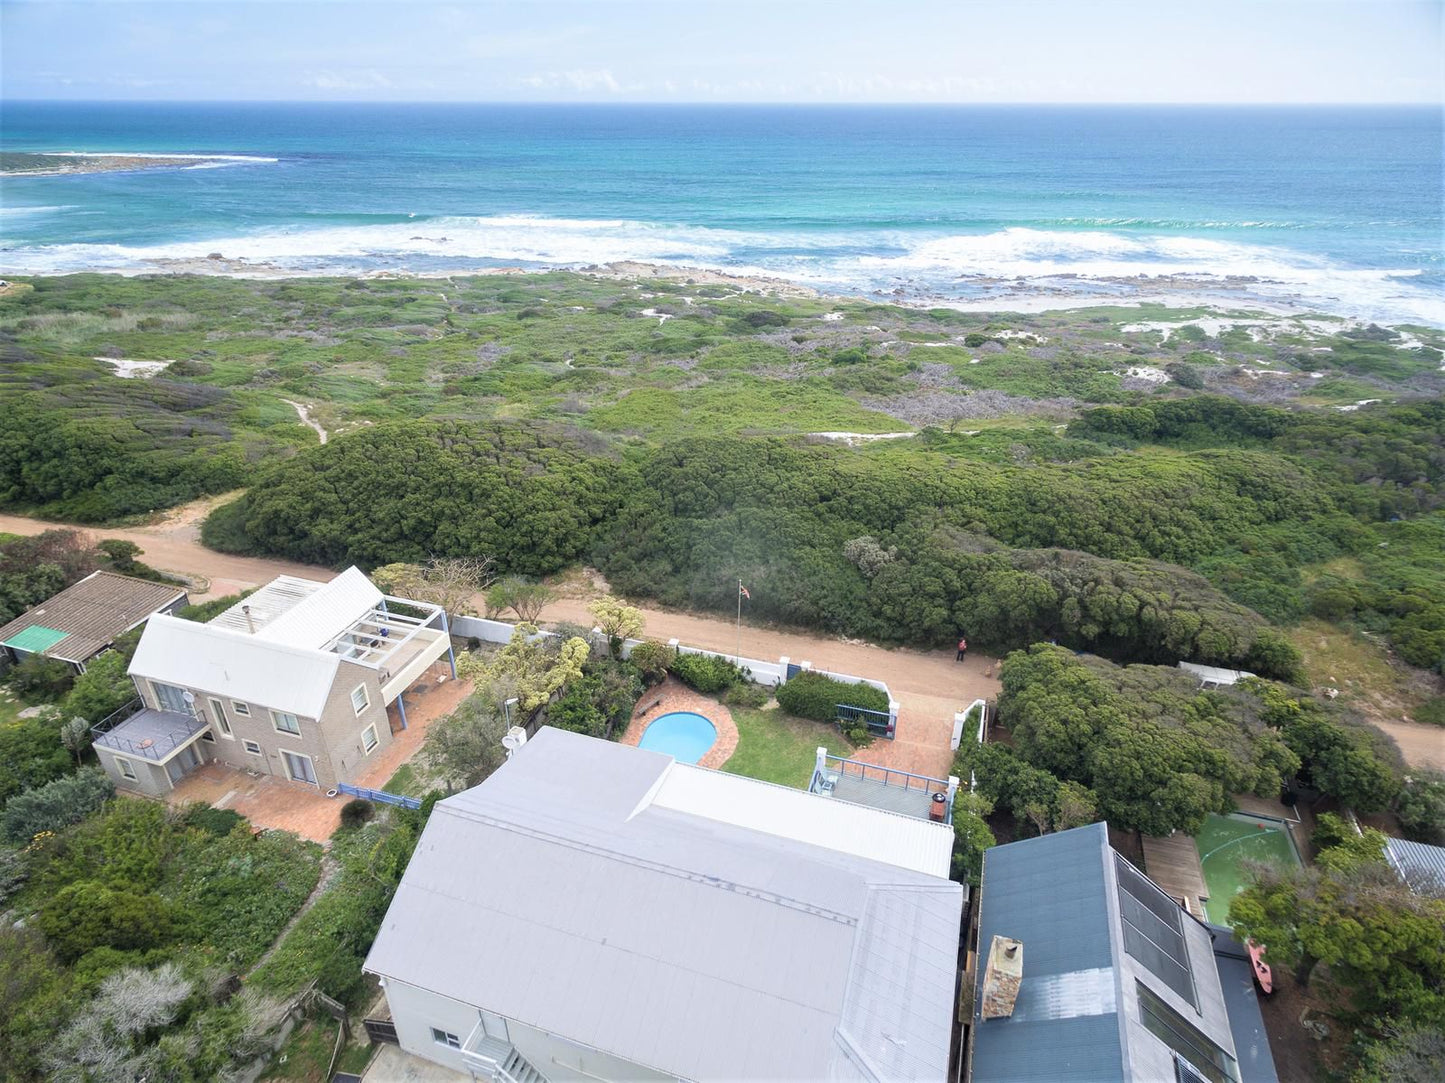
[[1173, 864]]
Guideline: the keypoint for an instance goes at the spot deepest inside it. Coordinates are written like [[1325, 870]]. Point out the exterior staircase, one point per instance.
[[501, 1062]]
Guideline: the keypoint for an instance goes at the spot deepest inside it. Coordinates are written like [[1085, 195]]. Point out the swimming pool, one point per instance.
[[1226, 843], [684, 735]]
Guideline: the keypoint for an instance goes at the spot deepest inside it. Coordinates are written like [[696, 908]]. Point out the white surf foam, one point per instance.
[[1017, 268]]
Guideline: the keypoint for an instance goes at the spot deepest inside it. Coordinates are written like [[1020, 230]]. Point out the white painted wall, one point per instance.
[[415, 1011]]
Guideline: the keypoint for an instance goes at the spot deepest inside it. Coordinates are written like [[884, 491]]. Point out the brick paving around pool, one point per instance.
[[672, 695]]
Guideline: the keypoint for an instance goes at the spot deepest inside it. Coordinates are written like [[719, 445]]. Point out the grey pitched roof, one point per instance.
[[1095, 941], [679, 942], [93, 612], [1419, 864], [1050, 893]]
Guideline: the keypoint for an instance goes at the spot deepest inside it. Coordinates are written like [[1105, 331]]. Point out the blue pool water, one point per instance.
[[683, 735]]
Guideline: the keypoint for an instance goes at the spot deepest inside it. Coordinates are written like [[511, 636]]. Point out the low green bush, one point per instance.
[[55, 805], [38, 677], [651, 657], [817, 696], [746, 694], [705, 673], [356, 812], [216, 821]]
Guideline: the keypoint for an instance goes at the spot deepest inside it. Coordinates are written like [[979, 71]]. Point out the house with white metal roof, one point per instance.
[[294, 680], [595, 911], [1420, 865]]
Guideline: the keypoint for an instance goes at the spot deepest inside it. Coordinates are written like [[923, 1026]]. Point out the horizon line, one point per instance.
[[612, 103]]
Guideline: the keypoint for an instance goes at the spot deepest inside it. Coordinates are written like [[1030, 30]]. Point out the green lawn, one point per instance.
[[776, 747], [404, 782]]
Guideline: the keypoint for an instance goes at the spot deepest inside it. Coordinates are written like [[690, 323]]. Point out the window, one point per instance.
[[359, 698], [209, 736], [218, 716], [286, 723], [125, 768], [446, 1038], [252, 747], [1200, 1056], [368, 738], [240, 708]]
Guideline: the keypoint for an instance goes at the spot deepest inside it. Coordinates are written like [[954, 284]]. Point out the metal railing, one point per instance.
[[879, 723], [380, 796], [830, 768], [154, 747]]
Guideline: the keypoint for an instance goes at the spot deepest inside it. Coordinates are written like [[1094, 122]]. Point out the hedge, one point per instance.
[[816, 696]]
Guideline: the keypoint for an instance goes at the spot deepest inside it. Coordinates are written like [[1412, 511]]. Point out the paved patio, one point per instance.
[[672, 695], [279, 804], [391, 1065]]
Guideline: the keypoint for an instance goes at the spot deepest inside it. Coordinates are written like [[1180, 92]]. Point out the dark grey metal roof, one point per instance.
[[686, 944], [1050, 892], [1419, 864], [1078, 1015], [1246, 1024]]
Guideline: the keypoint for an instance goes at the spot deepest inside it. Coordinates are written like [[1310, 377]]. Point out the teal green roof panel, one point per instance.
[[35, 639]]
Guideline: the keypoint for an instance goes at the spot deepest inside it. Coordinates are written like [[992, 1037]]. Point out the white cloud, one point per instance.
[[581, 81]]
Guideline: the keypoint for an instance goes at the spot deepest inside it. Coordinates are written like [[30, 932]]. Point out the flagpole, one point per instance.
[[738, 658]]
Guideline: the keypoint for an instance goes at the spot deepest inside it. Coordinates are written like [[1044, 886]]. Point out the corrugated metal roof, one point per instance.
[[1419, 864], [35, 638], [1246, 1024], [234, 664], [93, 612], [839, 825], [1050, 892], [574, 901], [262, 606], [317, 619]]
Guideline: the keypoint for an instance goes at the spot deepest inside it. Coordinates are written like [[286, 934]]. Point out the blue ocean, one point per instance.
[[1331, 209]]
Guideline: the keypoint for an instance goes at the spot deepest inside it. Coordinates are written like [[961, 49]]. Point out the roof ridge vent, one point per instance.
[[1002, 977]]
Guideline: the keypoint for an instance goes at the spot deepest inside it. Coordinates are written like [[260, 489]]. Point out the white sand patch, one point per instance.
[[661, 317], [1256, 373], [832, 316], [1037, 340], [1356, 405], [852, 439], [1146, 372], [128, 369]]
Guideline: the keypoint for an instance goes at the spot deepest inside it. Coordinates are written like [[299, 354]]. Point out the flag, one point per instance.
[[744, 591]]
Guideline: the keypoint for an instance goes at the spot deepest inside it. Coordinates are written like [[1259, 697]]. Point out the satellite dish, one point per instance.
[[516, 737], [188, 697]]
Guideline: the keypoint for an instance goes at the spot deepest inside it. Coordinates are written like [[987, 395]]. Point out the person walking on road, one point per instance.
[[962, 649]]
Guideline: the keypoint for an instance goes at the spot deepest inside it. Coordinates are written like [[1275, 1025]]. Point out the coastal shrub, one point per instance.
[[55, 805], [747, 694], [1158, 753], [88, 915], [1421, 806], [31, 754], [816, 696], [705, 673], [219, 822], [40, 678], [1184, 375], [651, 657], [356, 812]]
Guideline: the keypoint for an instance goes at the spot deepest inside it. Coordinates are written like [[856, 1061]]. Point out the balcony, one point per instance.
[[885, 788], [138, 730]]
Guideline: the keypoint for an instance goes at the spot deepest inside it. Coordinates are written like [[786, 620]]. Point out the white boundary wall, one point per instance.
[[767, 673]]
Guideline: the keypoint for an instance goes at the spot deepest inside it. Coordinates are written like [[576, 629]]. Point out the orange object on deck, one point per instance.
[[1262, 973]]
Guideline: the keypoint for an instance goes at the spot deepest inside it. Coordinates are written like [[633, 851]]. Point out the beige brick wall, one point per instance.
[[333, 742]]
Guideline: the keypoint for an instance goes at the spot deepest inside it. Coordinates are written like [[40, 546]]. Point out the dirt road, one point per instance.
[[929, 686]]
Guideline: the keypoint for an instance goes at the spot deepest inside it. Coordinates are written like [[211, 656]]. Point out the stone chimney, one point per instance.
[[1002, 978]]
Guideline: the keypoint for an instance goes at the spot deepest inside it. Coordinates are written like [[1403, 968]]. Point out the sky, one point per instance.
[[805, 51]]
